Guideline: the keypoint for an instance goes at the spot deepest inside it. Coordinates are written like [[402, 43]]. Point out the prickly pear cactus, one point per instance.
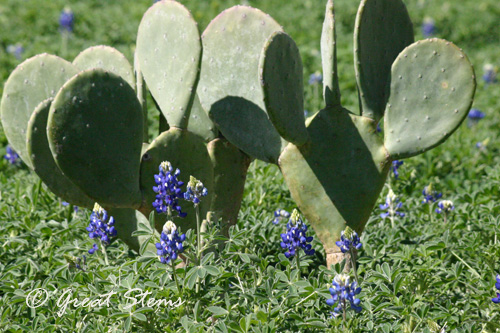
[[82, 126], [336, 166]]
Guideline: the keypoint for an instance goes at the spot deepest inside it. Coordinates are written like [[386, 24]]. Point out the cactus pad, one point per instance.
[[188, 153], [432, 89], [383, 29], [281, 77], [32, 82], [107, 58], [200, 123], [331, 91], [43, 162], [230, 170], [95, 135], [229, 86], [169, 53], [336, 178]]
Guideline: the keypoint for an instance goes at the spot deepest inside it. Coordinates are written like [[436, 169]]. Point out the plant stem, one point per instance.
[[175, 277], [298, 264], [103, 250], [198, 231], [431, 217], [354, 269]]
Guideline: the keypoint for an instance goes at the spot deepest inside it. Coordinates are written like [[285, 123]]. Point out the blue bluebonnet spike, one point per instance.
[[490, 73], [66, 204], [16, 50], [315, 78], [343, 291], [170, 243], [349, 239], [395, 166], [168, 189], [280, 215], [380, 130], [476, 114], [295, 236], [428, 27], [11, 155], [195, 190], [66, 20], [430, 195], [497, 285], [445, 206], [483, 145], [101, 226], [474, 117], [392, 204]]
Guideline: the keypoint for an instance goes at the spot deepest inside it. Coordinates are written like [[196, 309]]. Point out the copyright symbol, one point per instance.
[[37, 297]]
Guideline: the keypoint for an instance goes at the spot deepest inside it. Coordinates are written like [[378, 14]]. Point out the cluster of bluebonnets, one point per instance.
[[101, 227], [168, 190], [295, 236], [344, 291]]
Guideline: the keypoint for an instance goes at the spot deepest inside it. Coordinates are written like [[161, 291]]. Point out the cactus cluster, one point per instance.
[[82, 126], [232, 94], [336, 164]]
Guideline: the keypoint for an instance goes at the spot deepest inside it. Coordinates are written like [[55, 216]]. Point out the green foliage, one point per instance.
[[421, 276]]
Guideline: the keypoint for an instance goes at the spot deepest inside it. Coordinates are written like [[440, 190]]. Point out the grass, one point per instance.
[[420, 276]]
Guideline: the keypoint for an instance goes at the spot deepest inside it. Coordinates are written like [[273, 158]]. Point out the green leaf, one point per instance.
[[218, 311]]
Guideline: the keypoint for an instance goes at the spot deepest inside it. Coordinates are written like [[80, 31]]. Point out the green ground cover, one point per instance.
[[420, 276]]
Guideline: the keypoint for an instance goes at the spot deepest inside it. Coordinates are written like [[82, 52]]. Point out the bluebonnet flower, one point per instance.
[[295, 236], [195, 190], [497, 285], [483, 145], [349, 240], [428, 27], [490, 73], [380, 130], [66, 204], [392, 204], [168, 189], [280, 215], [170, 243], [476, 114], [343, 291], [66, 20], [11, 155], [395, 166], [445, 206], [100, 227], [315, 78], [16, 50], [430, 195], [306, 113]]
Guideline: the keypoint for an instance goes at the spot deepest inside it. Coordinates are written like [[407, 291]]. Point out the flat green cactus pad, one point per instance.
[[281, 78], [32, 82], [186, 152], [95, 135], [432, 88], [230, 170], [337, 177], [43, 162], [107, 58], [331, 91], [127, 221], [200, 123], [229, 86], [383, 29], [169, 53]]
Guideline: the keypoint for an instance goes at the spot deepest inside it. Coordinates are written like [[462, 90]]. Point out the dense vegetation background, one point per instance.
[[422, 275]]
